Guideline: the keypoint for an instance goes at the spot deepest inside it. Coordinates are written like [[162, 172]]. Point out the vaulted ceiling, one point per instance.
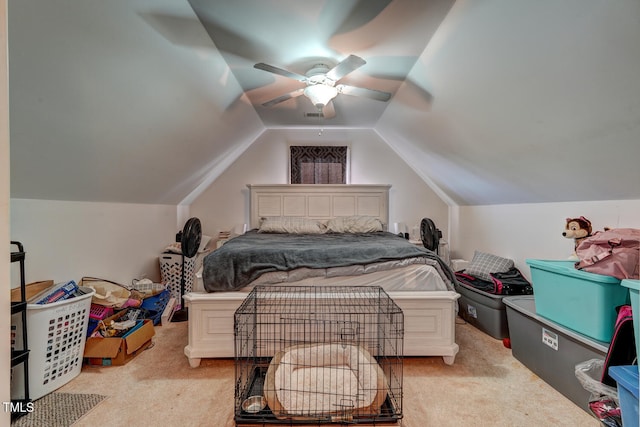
[[498, 101], [297, 36]]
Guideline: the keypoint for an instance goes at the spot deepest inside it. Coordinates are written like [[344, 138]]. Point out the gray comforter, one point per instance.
[[245, 258]]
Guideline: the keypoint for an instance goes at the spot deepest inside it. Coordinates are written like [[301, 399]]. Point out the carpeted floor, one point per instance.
[[486, 386], [58, 410]]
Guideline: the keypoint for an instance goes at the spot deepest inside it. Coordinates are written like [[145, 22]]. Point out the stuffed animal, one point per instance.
[[577, 229]]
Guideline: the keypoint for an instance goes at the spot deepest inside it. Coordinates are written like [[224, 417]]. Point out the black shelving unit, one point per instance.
[[20, 355]]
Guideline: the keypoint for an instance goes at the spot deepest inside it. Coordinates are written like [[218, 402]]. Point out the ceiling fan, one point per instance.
[[321, 84]]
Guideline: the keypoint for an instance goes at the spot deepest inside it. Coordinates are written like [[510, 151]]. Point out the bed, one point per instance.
[[415, 278]]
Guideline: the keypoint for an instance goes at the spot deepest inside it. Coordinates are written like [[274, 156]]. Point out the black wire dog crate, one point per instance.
[[318, 354]]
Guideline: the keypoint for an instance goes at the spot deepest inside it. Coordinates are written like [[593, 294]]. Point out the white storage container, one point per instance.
[[171, 273], [56, 335]]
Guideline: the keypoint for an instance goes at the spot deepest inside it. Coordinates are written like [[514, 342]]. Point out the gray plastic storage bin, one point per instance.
[[483, 310], [550, 350]]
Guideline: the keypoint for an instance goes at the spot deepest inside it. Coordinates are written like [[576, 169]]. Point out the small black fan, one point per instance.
[[189, 243], [430, 235]]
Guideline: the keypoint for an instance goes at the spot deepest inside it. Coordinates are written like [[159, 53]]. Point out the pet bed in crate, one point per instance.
[[320, 381]]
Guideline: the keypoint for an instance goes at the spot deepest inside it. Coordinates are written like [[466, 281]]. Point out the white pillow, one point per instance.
[[286, 224], [354, 224]]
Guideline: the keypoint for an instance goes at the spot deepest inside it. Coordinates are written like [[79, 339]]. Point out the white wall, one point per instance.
[[69, 240], [522, 231], [225, 203], [5, 316]]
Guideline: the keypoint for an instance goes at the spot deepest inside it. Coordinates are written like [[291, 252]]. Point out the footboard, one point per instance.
[[429, 324]]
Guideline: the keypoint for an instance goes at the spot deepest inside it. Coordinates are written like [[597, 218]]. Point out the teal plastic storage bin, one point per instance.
[[627, 379], [634, 295], [582, 301]]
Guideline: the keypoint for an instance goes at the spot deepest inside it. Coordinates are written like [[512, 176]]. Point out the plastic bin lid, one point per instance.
[[526, 305], [626, 376], [631, 284], [567, 268]]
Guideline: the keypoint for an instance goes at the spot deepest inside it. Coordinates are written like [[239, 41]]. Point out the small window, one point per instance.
[[312, 164]]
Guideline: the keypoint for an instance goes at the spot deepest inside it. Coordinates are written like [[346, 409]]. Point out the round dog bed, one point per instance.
[[320, 380]]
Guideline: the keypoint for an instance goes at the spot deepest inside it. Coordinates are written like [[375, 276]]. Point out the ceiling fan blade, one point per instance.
[[280, 71], [329, 110], [360, 91], [351, 63], [284, 97]]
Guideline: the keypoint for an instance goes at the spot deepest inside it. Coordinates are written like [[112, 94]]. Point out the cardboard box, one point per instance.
[[31, 290], [118, 351]]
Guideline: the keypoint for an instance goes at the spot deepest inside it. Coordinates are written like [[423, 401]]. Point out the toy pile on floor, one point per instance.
[[142, 300]]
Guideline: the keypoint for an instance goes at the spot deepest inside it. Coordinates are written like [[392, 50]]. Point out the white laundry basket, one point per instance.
[[56, 335], [171, 273]]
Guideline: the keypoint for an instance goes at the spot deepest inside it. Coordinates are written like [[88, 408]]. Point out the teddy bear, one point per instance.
[[577, 229]]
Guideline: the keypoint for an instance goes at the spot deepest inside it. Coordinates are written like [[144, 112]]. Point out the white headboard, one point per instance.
[[318, 201]]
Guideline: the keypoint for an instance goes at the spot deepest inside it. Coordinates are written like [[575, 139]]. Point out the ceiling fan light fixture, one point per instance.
[[321, 85], [320, 94]]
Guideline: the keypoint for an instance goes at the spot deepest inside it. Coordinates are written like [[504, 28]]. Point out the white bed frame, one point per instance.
[[429, 317]]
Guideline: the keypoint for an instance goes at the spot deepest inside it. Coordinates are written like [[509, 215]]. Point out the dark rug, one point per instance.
[[58, 410]]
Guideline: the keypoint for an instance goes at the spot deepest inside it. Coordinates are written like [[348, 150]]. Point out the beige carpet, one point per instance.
[[485, 387]]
